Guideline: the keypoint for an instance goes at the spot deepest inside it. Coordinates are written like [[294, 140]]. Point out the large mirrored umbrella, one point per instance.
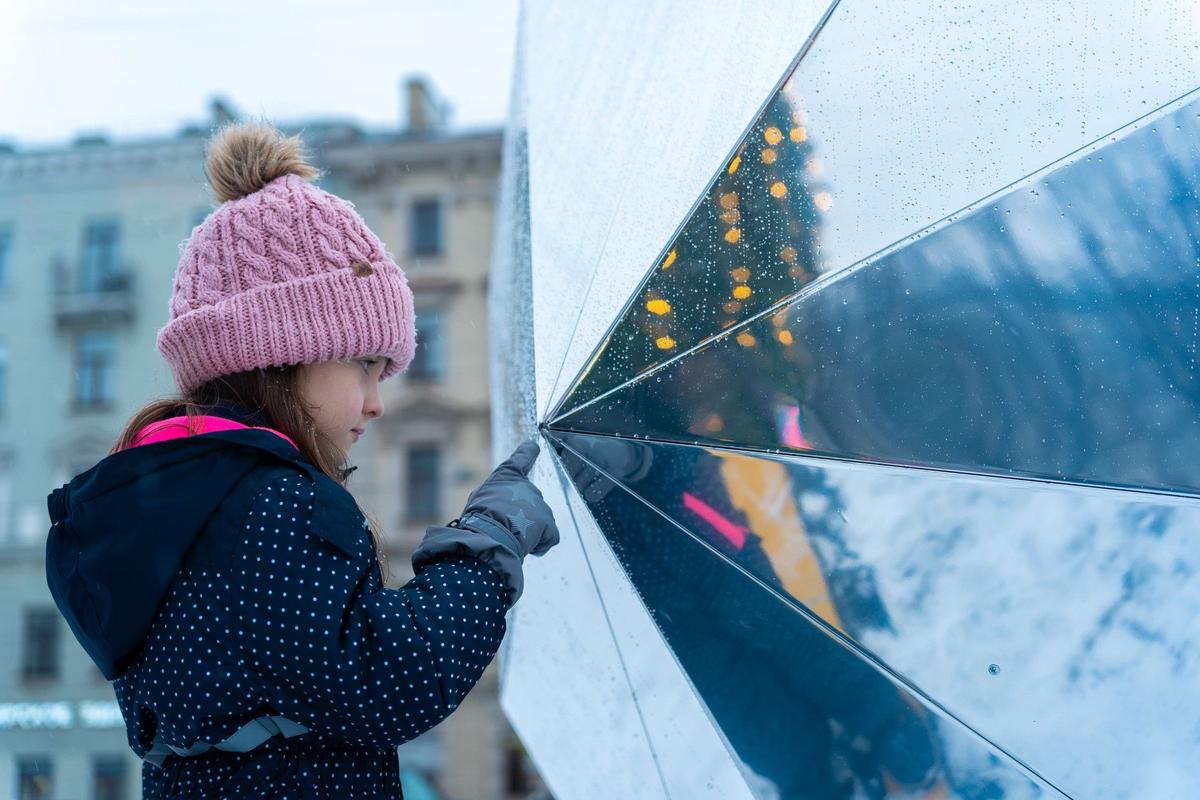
[[863, 344]]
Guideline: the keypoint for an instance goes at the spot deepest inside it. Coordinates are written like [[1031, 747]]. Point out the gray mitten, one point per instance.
[[505, 519]]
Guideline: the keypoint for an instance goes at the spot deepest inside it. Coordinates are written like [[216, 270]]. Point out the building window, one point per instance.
[[6, 531], [5, 246], [35, 778], [41, 643], [424, 493], [95, 354], [100, 242], [428, 362], [110, 777], [427, 228], [3, 377]]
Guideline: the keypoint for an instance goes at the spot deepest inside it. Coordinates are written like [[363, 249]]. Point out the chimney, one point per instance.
[[221, 111], [424, 113]]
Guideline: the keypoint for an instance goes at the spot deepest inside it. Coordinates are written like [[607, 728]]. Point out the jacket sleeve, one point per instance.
[[336, 651]]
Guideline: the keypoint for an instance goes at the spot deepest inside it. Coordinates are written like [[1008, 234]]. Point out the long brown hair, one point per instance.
[[274, 391]]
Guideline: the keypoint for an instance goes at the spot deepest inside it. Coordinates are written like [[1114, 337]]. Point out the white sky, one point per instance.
[[131, 67]]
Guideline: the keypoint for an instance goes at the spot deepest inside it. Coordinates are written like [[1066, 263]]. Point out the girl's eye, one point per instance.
[[368, 362]]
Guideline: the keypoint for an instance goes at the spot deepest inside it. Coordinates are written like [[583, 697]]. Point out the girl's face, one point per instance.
[[343, 396]]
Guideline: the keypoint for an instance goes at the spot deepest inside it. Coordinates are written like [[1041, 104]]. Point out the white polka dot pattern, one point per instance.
[[297, 627]]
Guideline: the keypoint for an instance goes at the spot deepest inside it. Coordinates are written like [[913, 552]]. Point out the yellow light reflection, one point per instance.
[[741, 292], [733, 235], [659, 307], [714, 423], [788, 254], [823, 200], [740, 274], [768, 156], [785, 337], [773, 135], [746, 339], [731, 217], [733, 165], [732, 307], [799, 117], [778, 189], [729, 200], [814, 166], [798, 134], [669, 260], [664, 342]]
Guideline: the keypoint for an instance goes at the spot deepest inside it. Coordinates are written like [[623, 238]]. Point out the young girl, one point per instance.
[[215, 567]]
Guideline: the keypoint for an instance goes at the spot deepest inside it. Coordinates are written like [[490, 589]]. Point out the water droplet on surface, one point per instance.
[[993, 669]]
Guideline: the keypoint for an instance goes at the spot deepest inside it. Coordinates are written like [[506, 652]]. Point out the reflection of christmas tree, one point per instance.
[[751, 242]]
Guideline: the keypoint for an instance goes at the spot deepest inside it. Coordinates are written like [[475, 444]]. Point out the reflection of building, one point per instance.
[[917, 522], [88, 247]]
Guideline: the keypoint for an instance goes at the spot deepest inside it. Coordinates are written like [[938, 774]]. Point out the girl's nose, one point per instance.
[[373, 407]]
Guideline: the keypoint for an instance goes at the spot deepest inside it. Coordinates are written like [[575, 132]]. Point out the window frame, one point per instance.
[[6, 239], [418, 246], [41, 644], [428, 364], [85, 358], [424, 511], [20, 763], [100, 236], [100, 762]]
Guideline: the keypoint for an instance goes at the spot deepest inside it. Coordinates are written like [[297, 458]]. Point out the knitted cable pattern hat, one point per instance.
[[281, 272]]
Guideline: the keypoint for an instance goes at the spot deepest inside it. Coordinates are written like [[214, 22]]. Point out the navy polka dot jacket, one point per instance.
[[231, 592]]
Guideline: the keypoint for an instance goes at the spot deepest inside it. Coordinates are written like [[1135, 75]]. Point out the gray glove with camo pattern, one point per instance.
[[505, 519]]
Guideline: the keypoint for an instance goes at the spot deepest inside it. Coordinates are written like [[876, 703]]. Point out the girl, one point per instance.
[[213, 564]]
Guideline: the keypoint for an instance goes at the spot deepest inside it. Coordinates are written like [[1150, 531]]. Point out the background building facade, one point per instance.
[[89, 241]]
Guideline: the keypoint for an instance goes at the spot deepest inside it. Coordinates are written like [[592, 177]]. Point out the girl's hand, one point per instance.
[[505, 520], [509, 499]]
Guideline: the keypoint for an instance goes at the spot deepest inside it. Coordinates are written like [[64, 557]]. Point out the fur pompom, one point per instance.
[[245, 156]]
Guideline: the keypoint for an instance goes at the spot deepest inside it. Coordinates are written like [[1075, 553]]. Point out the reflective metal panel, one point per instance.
[[692, 759], [587, 680], [912, 111], [630, 106], [629, 715], [806, 713], [1058, 622], [899, 115], [542, 639], [512, 366], [559, 623], [1052, 332]]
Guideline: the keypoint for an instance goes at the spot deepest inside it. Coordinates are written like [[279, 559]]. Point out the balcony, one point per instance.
[[109, 301]]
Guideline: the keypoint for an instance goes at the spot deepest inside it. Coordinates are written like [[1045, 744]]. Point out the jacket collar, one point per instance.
[[255, 418]]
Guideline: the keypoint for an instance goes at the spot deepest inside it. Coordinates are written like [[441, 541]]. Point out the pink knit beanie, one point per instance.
[[281, 272]]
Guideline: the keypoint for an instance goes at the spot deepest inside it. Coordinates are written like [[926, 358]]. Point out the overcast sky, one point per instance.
[[135, 68]]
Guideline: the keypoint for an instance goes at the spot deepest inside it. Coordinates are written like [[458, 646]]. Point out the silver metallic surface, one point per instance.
[[1041, 631]]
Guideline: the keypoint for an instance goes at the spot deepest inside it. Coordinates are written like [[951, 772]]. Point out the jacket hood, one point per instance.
[[121, 530]]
